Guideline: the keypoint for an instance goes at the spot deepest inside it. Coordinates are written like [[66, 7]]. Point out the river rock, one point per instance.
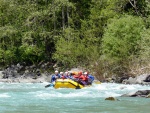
[[128, 94], [140, 93], [148, 96], [147, 79], [129, 81], [141, 79], [111, 98]]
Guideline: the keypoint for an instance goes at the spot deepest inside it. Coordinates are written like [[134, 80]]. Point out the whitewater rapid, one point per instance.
[[35, 98]]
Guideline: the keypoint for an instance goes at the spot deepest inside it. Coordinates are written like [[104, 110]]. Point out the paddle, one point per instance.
[[49, 85], [78, 82], [78, 87]]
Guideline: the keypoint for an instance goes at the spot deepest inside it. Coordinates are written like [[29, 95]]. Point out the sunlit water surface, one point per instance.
[[35, 98]]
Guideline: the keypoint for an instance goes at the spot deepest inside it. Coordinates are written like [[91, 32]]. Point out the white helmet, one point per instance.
[[56, 71], [66, 72], [61, 73], [85, 73]]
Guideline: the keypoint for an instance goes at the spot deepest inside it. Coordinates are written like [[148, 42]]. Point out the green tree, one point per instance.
[[145, 48], [9, 43], [120, 41]]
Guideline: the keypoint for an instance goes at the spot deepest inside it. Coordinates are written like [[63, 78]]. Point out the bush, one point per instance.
[[120, 41]]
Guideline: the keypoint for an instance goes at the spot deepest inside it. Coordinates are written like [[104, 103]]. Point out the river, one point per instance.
[[35, 98]]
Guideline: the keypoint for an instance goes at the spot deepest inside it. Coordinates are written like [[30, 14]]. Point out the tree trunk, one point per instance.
[[63, 18], [54, 21], [133, 4], [68, 16]]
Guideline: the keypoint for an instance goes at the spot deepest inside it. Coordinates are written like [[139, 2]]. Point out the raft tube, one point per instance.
[[67, 83]]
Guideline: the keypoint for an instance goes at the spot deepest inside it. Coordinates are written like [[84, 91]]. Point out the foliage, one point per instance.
[[145, 48], [120, 41], [105, 34]]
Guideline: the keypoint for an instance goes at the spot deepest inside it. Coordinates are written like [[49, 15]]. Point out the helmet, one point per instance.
[[61, 73], [74, 73], [66, 72], [85, 73], [56, 71]]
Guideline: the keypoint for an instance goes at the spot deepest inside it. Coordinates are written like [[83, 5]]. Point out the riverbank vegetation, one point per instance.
[[108, 37]]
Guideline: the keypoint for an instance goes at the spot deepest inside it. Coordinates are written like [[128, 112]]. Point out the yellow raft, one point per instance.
[[67, 83]]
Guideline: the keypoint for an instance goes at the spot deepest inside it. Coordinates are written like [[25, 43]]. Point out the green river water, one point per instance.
[[35, 98]]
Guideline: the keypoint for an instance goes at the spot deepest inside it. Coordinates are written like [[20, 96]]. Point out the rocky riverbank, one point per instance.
[[21, 73], [38, 74], [26, 74], [140, 93], [143, 79]]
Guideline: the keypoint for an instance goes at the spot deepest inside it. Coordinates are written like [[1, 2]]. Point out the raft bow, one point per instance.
[[67, 83]]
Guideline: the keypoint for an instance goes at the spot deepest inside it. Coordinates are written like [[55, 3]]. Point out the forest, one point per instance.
[[108, 37]]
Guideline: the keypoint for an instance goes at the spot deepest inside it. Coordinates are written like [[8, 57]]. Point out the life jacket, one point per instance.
[[57, 76], [53, 78], [90, 78], [70, 77], [82, 77], [75, 76]]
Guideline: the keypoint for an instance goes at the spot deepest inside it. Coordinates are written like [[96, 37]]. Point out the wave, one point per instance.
[[4, 95]]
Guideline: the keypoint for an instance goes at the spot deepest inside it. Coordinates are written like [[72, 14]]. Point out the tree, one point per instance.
[[120, 41], [9, 43], [145, 48]]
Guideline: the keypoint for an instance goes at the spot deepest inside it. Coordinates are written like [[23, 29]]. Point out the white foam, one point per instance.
[[4, 95], [96, 90]]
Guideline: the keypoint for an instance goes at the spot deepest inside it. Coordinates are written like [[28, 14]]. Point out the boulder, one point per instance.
[[140, 93], [128, 94], [121, 79], [141, 79], [148, 96], [129, 81], [147, 79], [111, 99]]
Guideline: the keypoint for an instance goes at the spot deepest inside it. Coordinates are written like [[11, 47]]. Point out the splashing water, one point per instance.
[[34, 98]]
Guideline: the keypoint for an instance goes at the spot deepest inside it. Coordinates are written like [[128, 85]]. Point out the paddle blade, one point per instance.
[[47, 85], [78, 87]]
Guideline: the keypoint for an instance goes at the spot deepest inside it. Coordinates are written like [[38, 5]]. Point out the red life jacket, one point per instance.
[[75, 76], [82, 77]]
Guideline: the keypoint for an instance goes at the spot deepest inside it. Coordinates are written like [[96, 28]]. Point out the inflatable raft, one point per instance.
[[67, 83]]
